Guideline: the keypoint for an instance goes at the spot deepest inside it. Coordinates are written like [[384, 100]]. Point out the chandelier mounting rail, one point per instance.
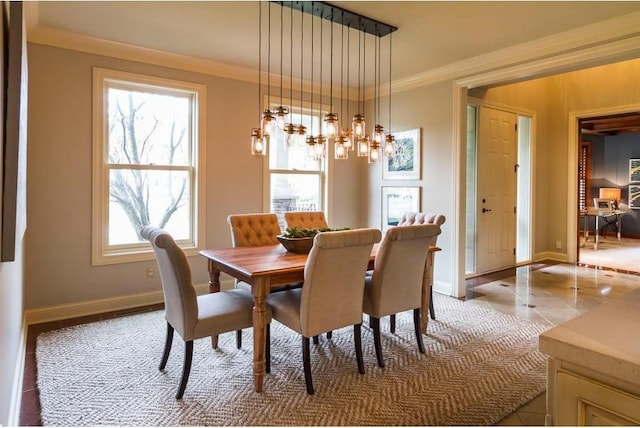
[[341, 16]]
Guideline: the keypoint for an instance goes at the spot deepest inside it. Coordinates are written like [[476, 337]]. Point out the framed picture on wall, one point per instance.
[[634, 196], [634, 170], [405, 165], [396, 201]]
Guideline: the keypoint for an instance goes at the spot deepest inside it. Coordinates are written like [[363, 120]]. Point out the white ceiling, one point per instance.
[[430, 34]]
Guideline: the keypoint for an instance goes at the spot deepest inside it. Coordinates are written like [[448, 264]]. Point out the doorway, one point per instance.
[[607, 146], [498, 215]]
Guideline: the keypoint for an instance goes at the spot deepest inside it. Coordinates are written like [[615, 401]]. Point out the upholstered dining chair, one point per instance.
[[306, 219], [415, 218], [252, 230], [332, 293], [396, 283], [192, 316]]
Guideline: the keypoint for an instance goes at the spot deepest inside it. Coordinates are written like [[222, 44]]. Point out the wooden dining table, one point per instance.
[[264, 267]]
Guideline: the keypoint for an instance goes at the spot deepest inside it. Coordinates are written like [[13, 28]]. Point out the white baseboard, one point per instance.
[[92, 307], [442, 288], [551, 255], [18, 378]]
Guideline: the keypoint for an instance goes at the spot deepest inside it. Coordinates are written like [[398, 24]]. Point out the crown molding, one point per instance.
[[612, 39], [49, 36], [560, 50]]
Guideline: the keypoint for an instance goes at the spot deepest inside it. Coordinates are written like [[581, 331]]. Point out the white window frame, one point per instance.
[[323, 172], [102, 253]]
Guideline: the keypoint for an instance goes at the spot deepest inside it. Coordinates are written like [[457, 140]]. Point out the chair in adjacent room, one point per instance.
[[332, 293], [306, 219], [396, 283], [193, 316]]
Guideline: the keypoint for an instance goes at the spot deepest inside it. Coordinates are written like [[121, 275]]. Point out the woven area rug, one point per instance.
[[480, 365]]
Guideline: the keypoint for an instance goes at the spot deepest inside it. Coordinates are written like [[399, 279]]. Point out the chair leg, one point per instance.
[[267, 349], [374, 323], [416, 324], [316, 340], [432, 312], [357, 339], [306, 362], [188, 356], [392, 323], [167, 347], [238, 339]]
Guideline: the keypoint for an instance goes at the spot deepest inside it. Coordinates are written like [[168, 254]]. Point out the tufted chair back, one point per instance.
[[410, 218], [306, 219], [413, 218], [250, 230]]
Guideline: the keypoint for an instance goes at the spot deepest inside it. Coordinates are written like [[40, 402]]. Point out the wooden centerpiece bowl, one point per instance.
[[297, 245], [299, 240]]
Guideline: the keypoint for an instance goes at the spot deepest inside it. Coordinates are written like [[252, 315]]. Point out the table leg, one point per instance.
[[214, 287], [619, 225], [260, 291], [597, 233], [427, 283]]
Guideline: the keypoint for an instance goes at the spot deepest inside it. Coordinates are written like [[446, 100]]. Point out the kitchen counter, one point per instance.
[[594, 363]]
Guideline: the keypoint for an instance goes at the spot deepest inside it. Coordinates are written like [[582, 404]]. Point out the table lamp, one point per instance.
[[612, 194]]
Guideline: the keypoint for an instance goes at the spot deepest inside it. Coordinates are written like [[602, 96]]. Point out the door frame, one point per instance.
[[609, 44], [572, 178]]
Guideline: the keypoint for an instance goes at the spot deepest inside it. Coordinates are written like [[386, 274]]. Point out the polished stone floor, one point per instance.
[[548, 293]]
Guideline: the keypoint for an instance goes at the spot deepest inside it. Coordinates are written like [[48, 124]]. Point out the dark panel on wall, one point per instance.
[[15, 125]]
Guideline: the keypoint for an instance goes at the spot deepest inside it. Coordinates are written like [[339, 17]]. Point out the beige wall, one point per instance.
[[553, 99], [429, 108], [58, 241]]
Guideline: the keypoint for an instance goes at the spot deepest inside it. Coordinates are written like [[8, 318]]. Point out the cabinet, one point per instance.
[[594, 366]]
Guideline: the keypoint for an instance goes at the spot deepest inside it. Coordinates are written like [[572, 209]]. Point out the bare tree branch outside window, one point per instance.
[[146, 140]]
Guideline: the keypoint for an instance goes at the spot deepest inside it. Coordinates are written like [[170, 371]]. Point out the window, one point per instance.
[[147, 166], [296, 181], [584, 175]]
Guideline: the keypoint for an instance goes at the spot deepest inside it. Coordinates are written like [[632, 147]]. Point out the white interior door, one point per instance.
[[496, 191]]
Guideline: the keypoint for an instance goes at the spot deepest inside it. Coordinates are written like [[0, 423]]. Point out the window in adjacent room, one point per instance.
[[148, 140], [584, 175]]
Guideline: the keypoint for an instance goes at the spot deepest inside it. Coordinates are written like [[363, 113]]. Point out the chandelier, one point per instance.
[[342, 123]]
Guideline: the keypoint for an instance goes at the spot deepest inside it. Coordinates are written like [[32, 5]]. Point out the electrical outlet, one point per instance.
[[151, 273], [558, 245]]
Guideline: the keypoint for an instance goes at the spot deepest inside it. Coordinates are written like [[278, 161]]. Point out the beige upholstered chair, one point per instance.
[[252, 230], [396, 283], [414, 218], [306, 219], [332, 294], [192, 316]]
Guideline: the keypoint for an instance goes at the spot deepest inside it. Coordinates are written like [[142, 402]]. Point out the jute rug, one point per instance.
[[480, 365]]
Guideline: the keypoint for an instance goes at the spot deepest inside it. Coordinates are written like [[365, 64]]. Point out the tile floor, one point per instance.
[[548, 293]]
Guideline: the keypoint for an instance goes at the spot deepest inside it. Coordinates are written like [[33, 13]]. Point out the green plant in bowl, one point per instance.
[[300, 240]]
